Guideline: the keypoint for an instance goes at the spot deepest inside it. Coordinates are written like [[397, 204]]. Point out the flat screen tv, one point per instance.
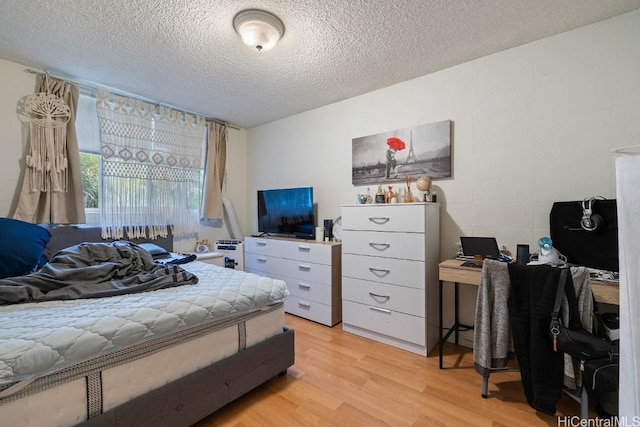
[[286, 212]]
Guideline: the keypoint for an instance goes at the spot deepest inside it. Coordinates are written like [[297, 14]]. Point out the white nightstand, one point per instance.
[[215, 258]]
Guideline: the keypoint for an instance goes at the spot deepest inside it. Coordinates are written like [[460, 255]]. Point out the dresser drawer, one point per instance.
[[263, 263], [384, 244], [386, 270], [305, 270], [308, 290], [303, 251], [384, 217], [387, 322], [311, 310], [397, 298], [256, 245]]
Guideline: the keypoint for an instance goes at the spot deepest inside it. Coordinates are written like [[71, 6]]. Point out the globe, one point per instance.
[[424, 183]]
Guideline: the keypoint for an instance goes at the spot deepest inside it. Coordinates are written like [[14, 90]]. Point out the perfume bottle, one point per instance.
[[369, 198], [379, 195], [390, 195], [408, 197]]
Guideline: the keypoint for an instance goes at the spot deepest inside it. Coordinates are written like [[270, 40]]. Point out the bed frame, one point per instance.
[[191, 398], [187, 400], [63, 236]]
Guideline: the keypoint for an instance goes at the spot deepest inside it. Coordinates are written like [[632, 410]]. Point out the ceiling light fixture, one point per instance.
[[258, 29]]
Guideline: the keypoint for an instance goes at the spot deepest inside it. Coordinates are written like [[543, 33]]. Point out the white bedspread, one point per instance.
[[39, 338]]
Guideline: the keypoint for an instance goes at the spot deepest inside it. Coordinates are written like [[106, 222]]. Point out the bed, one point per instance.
[[168, 357]]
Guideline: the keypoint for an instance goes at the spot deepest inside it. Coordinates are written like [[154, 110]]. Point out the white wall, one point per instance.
[[15, 84], [532, 125]]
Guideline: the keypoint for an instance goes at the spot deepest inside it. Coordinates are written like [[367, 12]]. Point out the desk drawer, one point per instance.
[[387, 322], [385, 217], [384, 244], [386, 270], [397, 298]]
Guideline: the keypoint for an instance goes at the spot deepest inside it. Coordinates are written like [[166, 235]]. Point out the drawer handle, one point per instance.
[[381, 310], [379, 296], [304, 286], [304, 267], [379, 246], [261, 243], [304, 304], [260, 259], [379, 219], [380, 272], [304, 248]]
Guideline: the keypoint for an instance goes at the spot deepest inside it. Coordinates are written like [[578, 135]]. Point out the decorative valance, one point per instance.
[[151, 168]]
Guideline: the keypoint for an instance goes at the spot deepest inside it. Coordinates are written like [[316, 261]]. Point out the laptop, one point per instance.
[[487, 247]]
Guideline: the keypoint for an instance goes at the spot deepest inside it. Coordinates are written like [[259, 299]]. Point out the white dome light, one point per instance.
[[258, 29]]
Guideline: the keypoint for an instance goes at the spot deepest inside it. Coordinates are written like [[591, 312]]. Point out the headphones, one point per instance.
[[590, 221]]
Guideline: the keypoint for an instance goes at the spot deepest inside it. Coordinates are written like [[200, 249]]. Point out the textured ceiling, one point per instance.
[[186, 53]]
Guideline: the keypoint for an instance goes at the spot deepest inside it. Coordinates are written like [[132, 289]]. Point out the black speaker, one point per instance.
[[328, 226], [522, 254], [590, 221]]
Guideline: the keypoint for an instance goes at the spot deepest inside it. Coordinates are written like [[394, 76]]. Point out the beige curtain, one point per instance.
[[57, 207], [214, 172]]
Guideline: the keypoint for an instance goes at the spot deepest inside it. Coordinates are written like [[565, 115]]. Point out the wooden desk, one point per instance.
[[452, 270]]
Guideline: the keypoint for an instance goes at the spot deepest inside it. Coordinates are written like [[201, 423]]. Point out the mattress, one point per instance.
[[69, 403], [129, 344]]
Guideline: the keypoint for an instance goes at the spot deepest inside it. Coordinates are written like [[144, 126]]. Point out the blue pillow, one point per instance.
[[21, 247]]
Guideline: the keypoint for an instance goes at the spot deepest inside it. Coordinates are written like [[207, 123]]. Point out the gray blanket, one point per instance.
[[93, 270]]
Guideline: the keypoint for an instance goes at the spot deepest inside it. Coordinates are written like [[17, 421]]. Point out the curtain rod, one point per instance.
[[92, 86]]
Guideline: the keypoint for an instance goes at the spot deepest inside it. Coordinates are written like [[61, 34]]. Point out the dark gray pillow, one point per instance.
[[156, 251]]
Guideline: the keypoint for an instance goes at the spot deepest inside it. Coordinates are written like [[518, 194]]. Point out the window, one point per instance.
[[90, 171], [89, 146], [88, 133]]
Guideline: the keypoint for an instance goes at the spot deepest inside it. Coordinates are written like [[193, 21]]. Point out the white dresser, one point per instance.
[[311, 269], [390, 255]]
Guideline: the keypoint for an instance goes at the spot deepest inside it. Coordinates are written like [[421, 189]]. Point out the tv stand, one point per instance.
[[311, 269]]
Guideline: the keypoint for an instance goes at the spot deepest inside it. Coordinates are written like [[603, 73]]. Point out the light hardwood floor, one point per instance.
[[340, 379]]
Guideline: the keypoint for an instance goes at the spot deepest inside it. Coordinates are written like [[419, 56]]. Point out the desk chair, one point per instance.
[[493, 338]]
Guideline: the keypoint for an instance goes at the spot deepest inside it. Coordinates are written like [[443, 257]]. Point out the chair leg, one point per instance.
[[584, 404], [485, 386]]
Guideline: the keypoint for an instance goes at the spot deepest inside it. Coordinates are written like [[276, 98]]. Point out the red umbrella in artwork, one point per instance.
[[396, 143]]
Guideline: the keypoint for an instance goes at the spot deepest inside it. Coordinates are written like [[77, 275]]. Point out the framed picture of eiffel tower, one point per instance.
[[393, 156]]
